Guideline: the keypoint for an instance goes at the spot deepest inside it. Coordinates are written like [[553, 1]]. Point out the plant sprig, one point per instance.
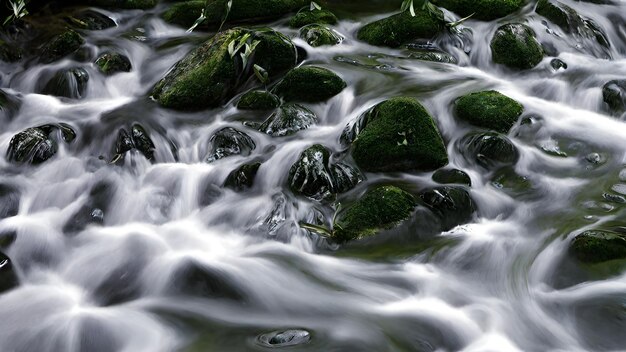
[[18, 10]]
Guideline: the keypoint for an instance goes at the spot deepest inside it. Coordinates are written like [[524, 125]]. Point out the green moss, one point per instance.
[[250, 10], [124, 4], [111, 62], [401, 28], [486, 10], [61, 46], [596, 246], [184, 14], [515, 46], [309, 84], [318, 35], [399, 135], [381, 208], [258, 100], [8, 52], [306, 16], [208, 76], [489, 109]]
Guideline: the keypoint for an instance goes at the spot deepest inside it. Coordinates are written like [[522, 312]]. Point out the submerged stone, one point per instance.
[[309, 84], [111, 62], [318, 35], [315, 177], [8, 277], [193, 278], [614, 95], [242, 177], [402, 28], [451, 176], [514, 45], [397, 135], [452, 205], [229, 141], [70, 83], [489, 109], [90, 20], [258, 100], [308, 16], [60, 46], [432, 55], [485, 10], [381, 208], [287, 120], [490, 150], [284, 338], [595, 246]]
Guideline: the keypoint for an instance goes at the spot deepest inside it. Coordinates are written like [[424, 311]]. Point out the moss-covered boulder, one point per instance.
[[209, 75], [60, 46], [242, 177], [490, 150], [90, 20], [489, 109], [287, 120], [184, 13], [35, 145], [258, 100], [452, 176], [229, 141], [595, 246], [319, 35], [110, 63], [308, 16], [381, 208], [9, 52], [397, 135], [453, 206], [485, 10], [614, 95], [514, 45], [402, 28], [250, 10], [309, 84], [124, 4], [8, 277], [314, 176], [69, 83]]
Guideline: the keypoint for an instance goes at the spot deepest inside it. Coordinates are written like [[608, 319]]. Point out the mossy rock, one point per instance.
[[398, 135], [69, 83], [60, 46], [485, 10], [309, 84], [124, 4], [614, 95], [250, 10], [184, 13], [402, 28], [489, 109], [452, 176], [318, 35], [453, 206], [90, 20], [381, 208], [258, 100], [595, 246], [287, 120], [490, 150], [208, 76], [9, 52], [307, 16], [229, 141], [110, 63], [314, 176], [242, 177], [514, 45]]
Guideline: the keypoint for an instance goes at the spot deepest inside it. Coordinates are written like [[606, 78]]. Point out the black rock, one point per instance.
[[69, 83], [110, 63], [138, 139], [242, 177], [8, 278], [614, 95], [287, 120], [489, 149], [229, 141], [452, 205], [195, 279], [32, 145], [452, 176]]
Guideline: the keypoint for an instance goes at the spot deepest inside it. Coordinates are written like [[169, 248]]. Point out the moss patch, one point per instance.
[[258, 100], [250, 10], [184, 14], [596, 246], [485, 10], [489, 109], [309, 84], [401, 28], [514, 45], [111, 62], [317, 35], [61, 46], [306, 16]]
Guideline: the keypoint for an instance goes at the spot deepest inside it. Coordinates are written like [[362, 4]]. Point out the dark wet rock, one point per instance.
[[511, 183], [124, 4], [93, 211], [7, 238], [452, 205], [595, 246], [9, 201], [210, 194], [196, 279], [308, 16], [32, 145], [60, 46], [452, 176], [485, 10], [8, 277], [110, 63], [402, 28], [284, 338], [287, 120], [314, 176], [614, 95], [9, 52], [138, 139], [558, 64], [184, 13], [229, 141], [381, 208], [319, 35], [9, 104], [242, 177], [489, 109], [432, 55], [396, 135], [250, 10], [258, 100], [309, 84], [514, 45], [90, 20], [490, 150], [209, 75], [69, 83]]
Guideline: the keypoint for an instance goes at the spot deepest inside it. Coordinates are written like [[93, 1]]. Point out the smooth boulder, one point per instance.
[[491, 150], [489, 109], [596, 246], [515, 46]]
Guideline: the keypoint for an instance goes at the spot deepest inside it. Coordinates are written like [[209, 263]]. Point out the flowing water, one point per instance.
[[501, 283]]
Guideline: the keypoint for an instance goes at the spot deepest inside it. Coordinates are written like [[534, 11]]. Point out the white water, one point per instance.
[[503, 285]]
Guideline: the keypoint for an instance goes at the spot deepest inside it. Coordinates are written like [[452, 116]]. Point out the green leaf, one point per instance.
[[315, 6], [456, 23], [198, 21], [261, 74]]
